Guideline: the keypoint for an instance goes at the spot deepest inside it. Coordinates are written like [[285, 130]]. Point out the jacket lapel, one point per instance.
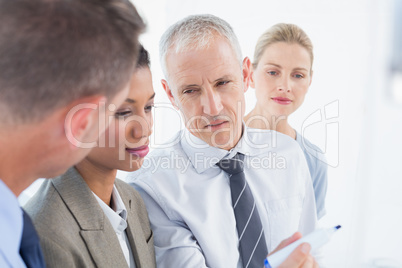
[[135, 234], [96, 230]]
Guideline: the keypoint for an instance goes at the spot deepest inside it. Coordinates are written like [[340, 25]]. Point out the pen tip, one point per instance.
[[338, 227]]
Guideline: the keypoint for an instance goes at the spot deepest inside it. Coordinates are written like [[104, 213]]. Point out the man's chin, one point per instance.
[[223, 141]]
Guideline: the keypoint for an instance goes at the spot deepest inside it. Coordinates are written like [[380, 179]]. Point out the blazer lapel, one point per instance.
[[135, 233], [96, 230]]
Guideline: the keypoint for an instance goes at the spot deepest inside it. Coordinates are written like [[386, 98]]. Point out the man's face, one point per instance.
[[207, 86]]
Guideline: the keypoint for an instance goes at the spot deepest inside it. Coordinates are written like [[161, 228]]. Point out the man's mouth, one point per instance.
[[216, 124]]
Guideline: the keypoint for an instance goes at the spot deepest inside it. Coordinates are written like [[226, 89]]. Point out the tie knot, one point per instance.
[[233, 165]]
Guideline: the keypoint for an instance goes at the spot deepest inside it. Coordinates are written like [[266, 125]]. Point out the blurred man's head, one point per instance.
[[206, 78], [59, 56]]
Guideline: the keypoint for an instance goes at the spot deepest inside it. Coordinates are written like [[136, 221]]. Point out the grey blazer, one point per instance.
[[74, 231]]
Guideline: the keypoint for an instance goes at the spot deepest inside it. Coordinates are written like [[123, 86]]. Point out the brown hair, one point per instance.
[[282, 32], [55, 51]]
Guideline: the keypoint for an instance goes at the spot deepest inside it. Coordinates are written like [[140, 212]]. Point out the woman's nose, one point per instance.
[[284, 85], [140, 127]]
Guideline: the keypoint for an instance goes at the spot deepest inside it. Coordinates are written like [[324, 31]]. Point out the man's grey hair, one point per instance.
[[196, 32]]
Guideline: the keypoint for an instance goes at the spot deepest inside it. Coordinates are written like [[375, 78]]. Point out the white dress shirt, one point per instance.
[[189, 202], [118, 219], [10, 229]]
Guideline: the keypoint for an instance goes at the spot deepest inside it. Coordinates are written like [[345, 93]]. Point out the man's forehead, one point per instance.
[[215, 61]]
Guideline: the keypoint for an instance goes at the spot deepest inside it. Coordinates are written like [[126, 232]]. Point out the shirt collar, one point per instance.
[[203, 156], [118, 215]]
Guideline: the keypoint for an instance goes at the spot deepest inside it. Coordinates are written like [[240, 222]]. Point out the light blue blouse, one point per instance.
[[318, 167]]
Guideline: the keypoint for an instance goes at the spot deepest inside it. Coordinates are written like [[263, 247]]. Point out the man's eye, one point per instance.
[[122, 113], [222, 83], [188, 91]]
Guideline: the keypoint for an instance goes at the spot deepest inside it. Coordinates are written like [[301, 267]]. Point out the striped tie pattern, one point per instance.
[[253, 249]]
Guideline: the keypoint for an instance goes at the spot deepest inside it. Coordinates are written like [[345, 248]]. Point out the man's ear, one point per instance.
[[246, 67], [169, 93], [82, 119]]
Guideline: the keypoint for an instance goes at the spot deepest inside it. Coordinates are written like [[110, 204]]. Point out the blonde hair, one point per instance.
[[282, 32]]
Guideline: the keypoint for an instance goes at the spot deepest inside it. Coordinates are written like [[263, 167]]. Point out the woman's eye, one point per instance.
[[299, 76], [122, 113], [273, 73], [149, 108]]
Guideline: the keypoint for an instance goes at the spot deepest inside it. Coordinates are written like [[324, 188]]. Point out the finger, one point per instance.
[[297, 257], [309, 263], [287, 241], [316, 264]]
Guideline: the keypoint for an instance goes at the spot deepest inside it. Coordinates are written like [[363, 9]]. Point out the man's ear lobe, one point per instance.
[[169, 93], [83, 119]]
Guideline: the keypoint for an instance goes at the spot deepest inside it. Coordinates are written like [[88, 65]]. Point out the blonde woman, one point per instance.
[[281, 76]]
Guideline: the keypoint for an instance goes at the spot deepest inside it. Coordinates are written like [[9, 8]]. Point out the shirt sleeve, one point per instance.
[[3, 261], [175, 244], [320, 186]]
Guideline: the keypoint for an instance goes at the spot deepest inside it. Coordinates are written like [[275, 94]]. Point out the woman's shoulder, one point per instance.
[[312, 152]]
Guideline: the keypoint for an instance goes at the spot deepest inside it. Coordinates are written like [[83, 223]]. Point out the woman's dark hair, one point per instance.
[[143, 58]]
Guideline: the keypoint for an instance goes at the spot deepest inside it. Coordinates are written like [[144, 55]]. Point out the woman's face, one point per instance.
[[282, 78], [125, 143]]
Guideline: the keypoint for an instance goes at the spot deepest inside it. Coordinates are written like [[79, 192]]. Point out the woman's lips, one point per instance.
[[141, 151], [283, 101]]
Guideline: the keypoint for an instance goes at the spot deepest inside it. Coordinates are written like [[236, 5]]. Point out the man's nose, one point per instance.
[[211, 102]]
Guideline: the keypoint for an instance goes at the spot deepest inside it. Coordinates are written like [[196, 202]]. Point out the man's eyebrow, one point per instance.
[[225, 77], [133, 101]]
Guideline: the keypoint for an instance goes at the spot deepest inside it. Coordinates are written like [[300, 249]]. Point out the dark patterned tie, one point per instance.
[[253, 249]]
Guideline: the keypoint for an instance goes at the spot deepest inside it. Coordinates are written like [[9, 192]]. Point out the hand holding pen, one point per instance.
[[295, 251], [300, 257]]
